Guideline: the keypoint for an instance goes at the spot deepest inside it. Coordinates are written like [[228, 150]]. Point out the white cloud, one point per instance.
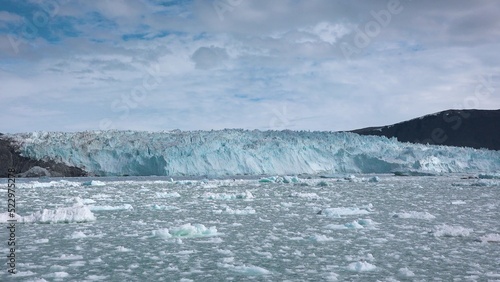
[[266, 65]]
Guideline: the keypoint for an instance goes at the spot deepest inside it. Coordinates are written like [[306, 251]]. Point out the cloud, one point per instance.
[[209, 57], [158, 65]]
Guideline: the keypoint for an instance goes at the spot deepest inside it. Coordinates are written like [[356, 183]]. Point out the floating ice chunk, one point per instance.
[[357, 224], [337, 212], [366, 222], [59, 274], [111, 208], [77, 201], [93, 183], [459, 202], [320, 238], [279, 179], [97, 278], [41, 241], [493, 238], [414, 214], [246, 269], [451, 231], [61, 215], [167, 195], [361, 266], [186, 231], [332, 276], [36, 184], [310, 196], [78, 235], [162, 208], [25, 274], [70, 257], [79, 263], [336, 226], [353, 225], [162, 233], [266, 180], [247, 210], [374, 179], [323, 184], [406, 272], [228, 196], [122, 249], [196, 230]]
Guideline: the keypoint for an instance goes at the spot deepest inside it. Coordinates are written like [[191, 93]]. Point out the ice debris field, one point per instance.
[[243, 152], [287, 228]]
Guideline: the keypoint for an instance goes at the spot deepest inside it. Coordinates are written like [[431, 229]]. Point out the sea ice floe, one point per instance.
[[50, 184], [459, 202], [280, 179], [96, 278], [361, 266], [246, 269], [228, 210], [228, 196], [186, 231], [70, 257], [309, 196], [161, 207], [320, 238], [59, 274], [61, 215], [338, 212], [122, 249], [405, 272], [24, 273], [111, 208], [331, 277], [79, 201], [78, 235], [492, 238], [93, 183], [414, 214], [167, 195], [451, 231], [357, 224]]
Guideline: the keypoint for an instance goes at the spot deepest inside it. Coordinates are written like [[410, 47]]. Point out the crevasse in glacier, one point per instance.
[[238, 152]]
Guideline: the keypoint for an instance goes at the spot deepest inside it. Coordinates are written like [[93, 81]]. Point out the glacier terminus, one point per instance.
[[246, 152]]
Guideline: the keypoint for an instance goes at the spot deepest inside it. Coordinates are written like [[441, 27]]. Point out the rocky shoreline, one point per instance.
[[26, 167]]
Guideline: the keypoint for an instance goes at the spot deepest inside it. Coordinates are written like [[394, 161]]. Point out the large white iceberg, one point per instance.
[[240, 152], [59, 215]]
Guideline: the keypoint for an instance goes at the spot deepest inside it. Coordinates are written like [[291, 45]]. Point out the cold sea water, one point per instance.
[[345, 228]]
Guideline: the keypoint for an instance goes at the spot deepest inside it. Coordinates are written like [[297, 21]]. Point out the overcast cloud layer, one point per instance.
[[281, 64]]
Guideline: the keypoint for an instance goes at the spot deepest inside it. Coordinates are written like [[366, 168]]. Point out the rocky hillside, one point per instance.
[[26, 167], [462, 128]]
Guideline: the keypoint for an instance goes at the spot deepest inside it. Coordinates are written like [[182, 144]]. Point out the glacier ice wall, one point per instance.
[[238, 152]]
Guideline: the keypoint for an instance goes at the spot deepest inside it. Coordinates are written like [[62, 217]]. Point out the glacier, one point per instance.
[[246, 152]]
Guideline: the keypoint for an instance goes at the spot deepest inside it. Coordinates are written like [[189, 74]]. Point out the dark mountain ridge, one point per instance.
[[461, 128], [10, 157]]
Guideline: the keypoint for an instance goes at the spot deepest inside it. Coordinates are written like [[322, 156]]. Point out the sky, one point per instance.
[[253, 64]]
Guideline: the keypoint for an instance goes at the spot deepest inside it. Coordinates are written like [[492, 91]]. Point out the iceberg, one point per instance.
[[61, 215], [245, 152]]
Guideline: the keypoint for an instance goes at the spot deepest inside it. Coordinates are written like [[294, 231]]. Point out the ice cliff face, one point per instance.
[[237, 152]]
